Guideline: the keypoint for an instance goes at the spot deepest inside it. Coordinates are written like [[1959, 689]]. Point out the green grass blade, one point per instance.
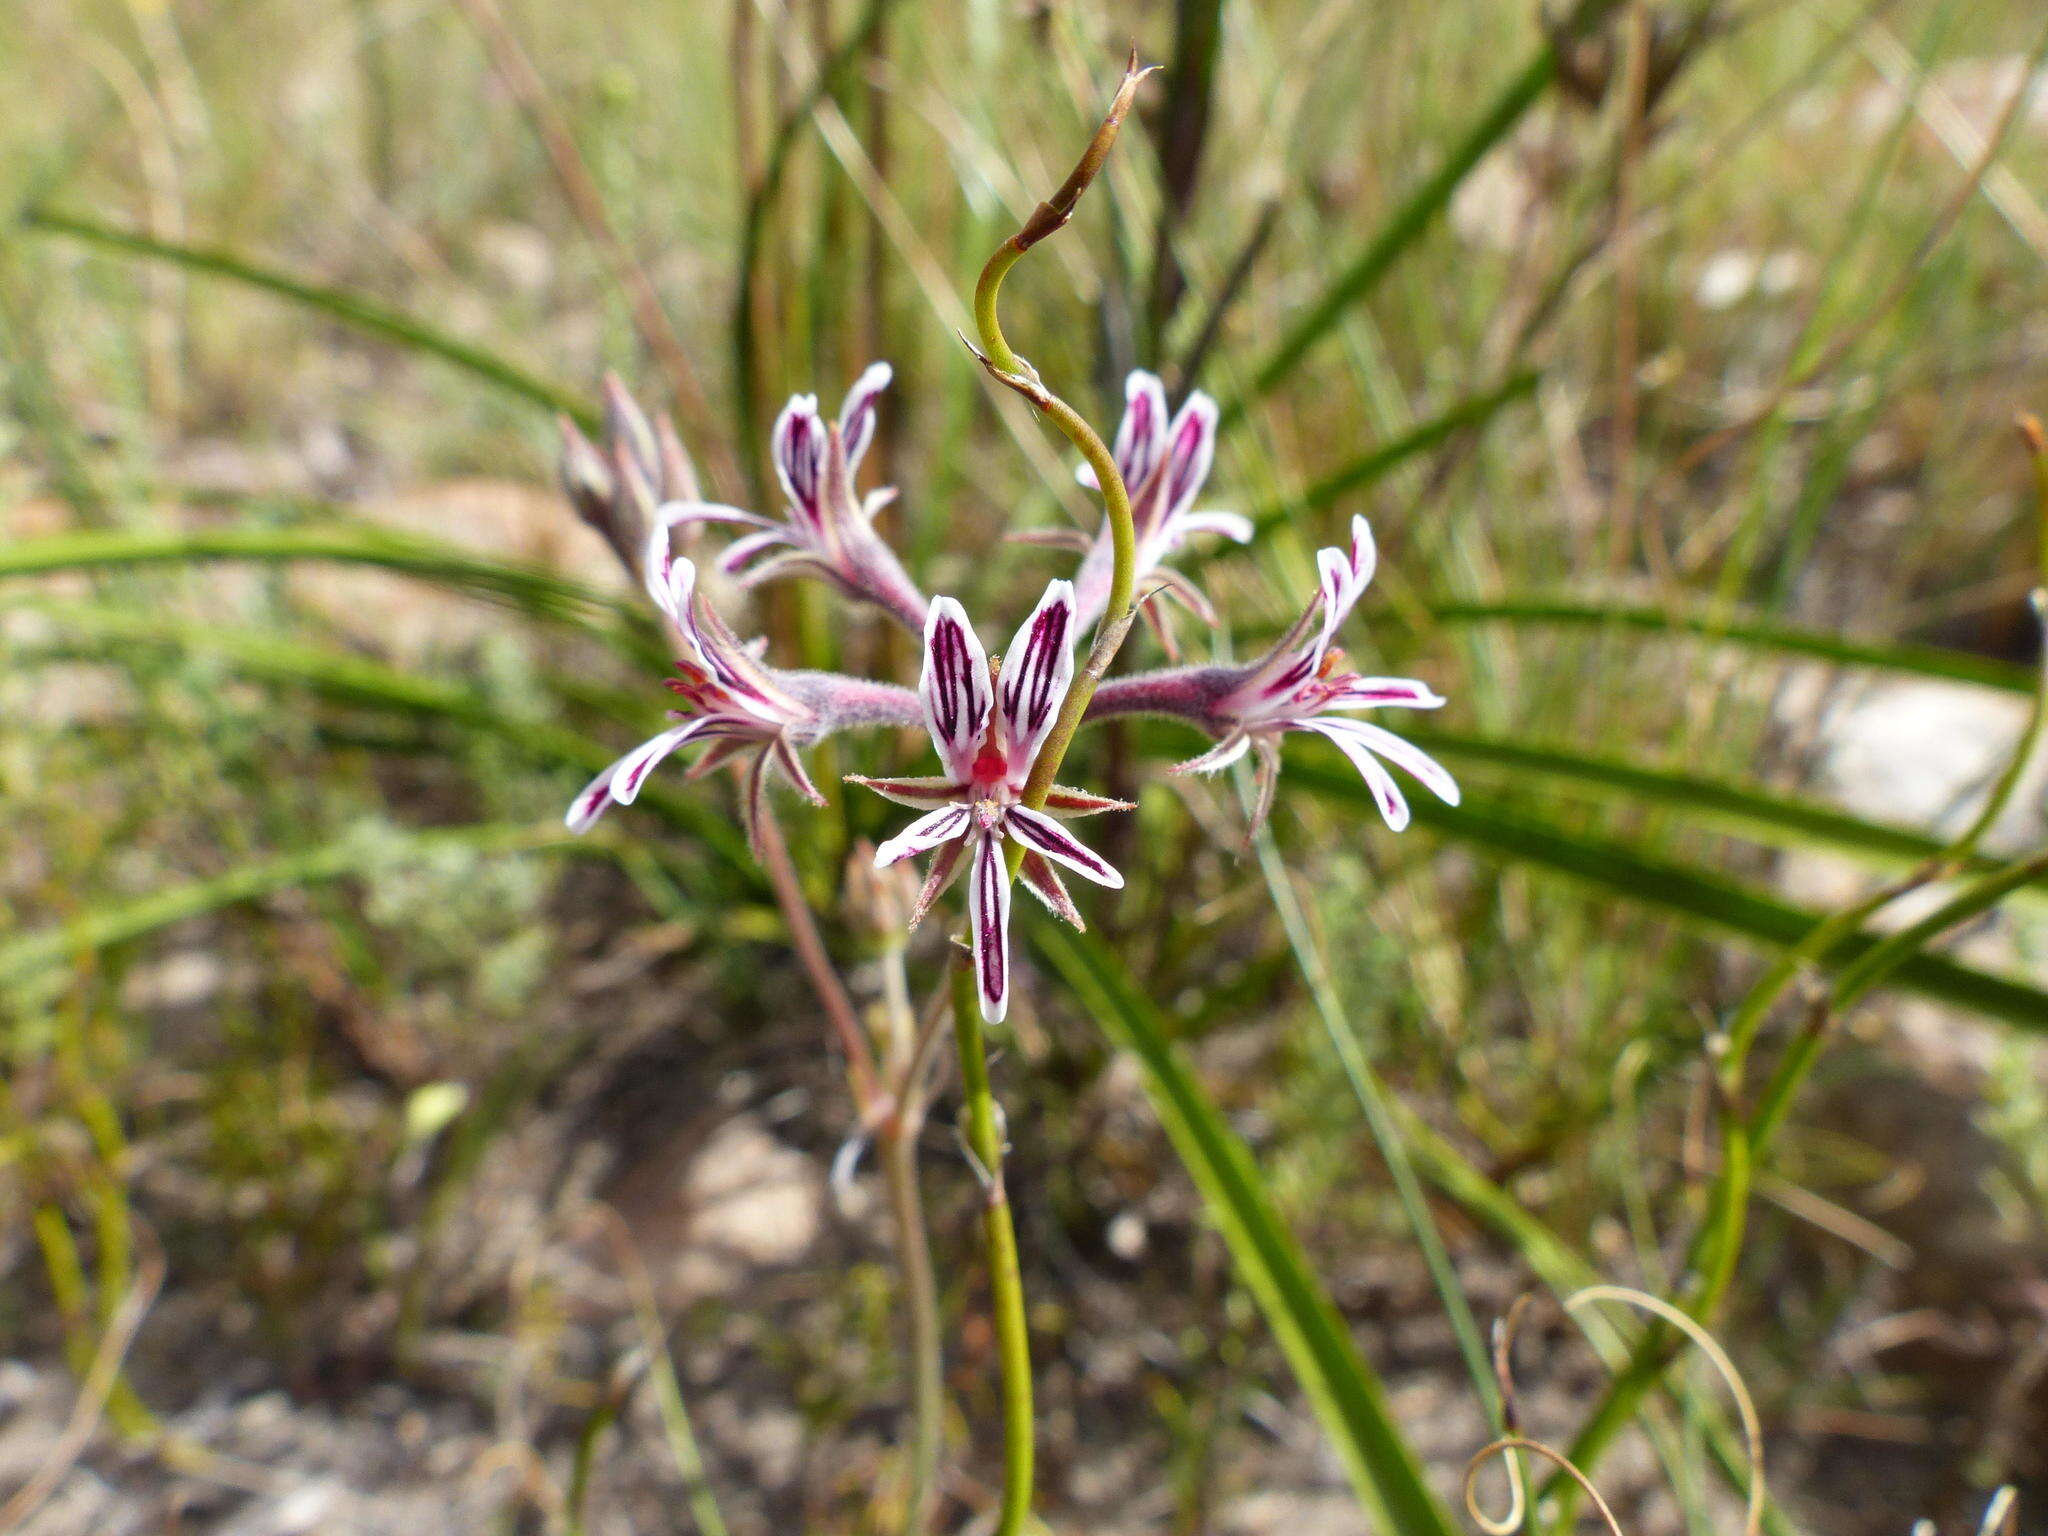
[[1706, 899], [118, 922], [89, 631], [534, 591], [1346, 1392], [1369, 468], [1735, 628], [1377, 1105], [1781, 820], [347, 544], [372, 319], [1417, 212]]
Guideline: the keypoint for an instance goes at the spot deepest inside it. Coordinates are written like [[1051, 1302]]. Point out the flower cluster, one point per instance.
[[986, 812]]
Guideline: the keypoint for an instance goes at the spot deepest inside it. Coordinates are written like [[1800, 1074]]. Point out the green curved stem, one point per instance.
[[1010, 369], [1005, 1281]]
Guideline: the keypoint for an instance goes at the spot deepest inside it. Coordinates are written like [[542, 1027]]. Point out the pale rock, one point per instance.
[[754, 1202]]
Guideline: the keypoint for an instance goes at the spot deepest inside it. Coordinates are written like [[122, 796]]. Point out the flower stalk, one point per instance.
[[1006, 1286], [1008, 368], [809, 944], [983, 1133]]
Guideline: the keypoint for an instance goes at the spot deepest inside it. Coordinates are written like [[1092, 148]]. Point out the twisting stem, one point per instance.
[[1006, 1286], [1010, 369], [810, 951], [1005, 1283]]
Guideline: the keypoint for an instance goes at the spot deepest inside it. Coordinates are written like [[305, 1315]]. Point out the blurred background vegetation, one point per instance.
[[1674, 350]]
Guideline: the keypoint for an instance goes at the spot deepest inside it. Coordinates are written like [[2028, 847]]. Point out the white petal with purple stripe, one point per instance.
[[954, 686], [928, 831], [1392, 803], [988, 903], [1402, 754], [857, 413], [798, 448], [1040, 832], [1191, 450], [1386, 693], [1038, 669]]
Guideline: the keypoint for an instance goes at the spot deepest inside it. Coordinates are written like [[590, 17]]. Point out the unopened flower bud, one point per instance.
[[616, 487]]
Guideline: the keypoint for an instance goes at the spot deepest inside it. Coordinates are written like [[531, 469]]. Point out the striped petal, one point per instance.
[[1385, 693], [857, 414], [633, 768], [1345, 574], [621, 780], [988, 905], [798, 446], [1191, 449], [1141, 435], [1404, 755], [953, 686], [674, 514], [927, 832], [919, 793], [794, 562], [741, 552], [1385, 792], [1231, 525], [591, 802], [669, 578], [1042, 834], [1037, 670]]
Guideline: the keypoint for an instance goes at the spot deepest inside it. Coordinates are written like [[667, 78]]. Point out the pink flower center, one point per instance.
[[990, 766]]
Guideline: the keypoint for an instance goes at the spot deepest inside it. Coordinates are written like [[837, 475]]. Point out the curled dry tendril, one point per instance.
[[1503, 1364]]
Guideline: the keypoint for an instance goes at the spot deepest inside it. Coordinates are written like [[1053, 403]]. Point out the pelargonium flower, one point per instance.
[[988, 734], [733, 701], [1164, 465], [1302, 684], [828, 529]]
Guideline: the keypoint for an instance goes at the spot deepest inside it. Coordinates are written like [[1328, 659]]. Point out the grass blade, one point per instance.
[[87, 631], [1735, 628], [1346, 1392], [1474, 411], [534, 591], [1706, 899], [116, 923], [1778, 819], [1420, 209], [372, 319]]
